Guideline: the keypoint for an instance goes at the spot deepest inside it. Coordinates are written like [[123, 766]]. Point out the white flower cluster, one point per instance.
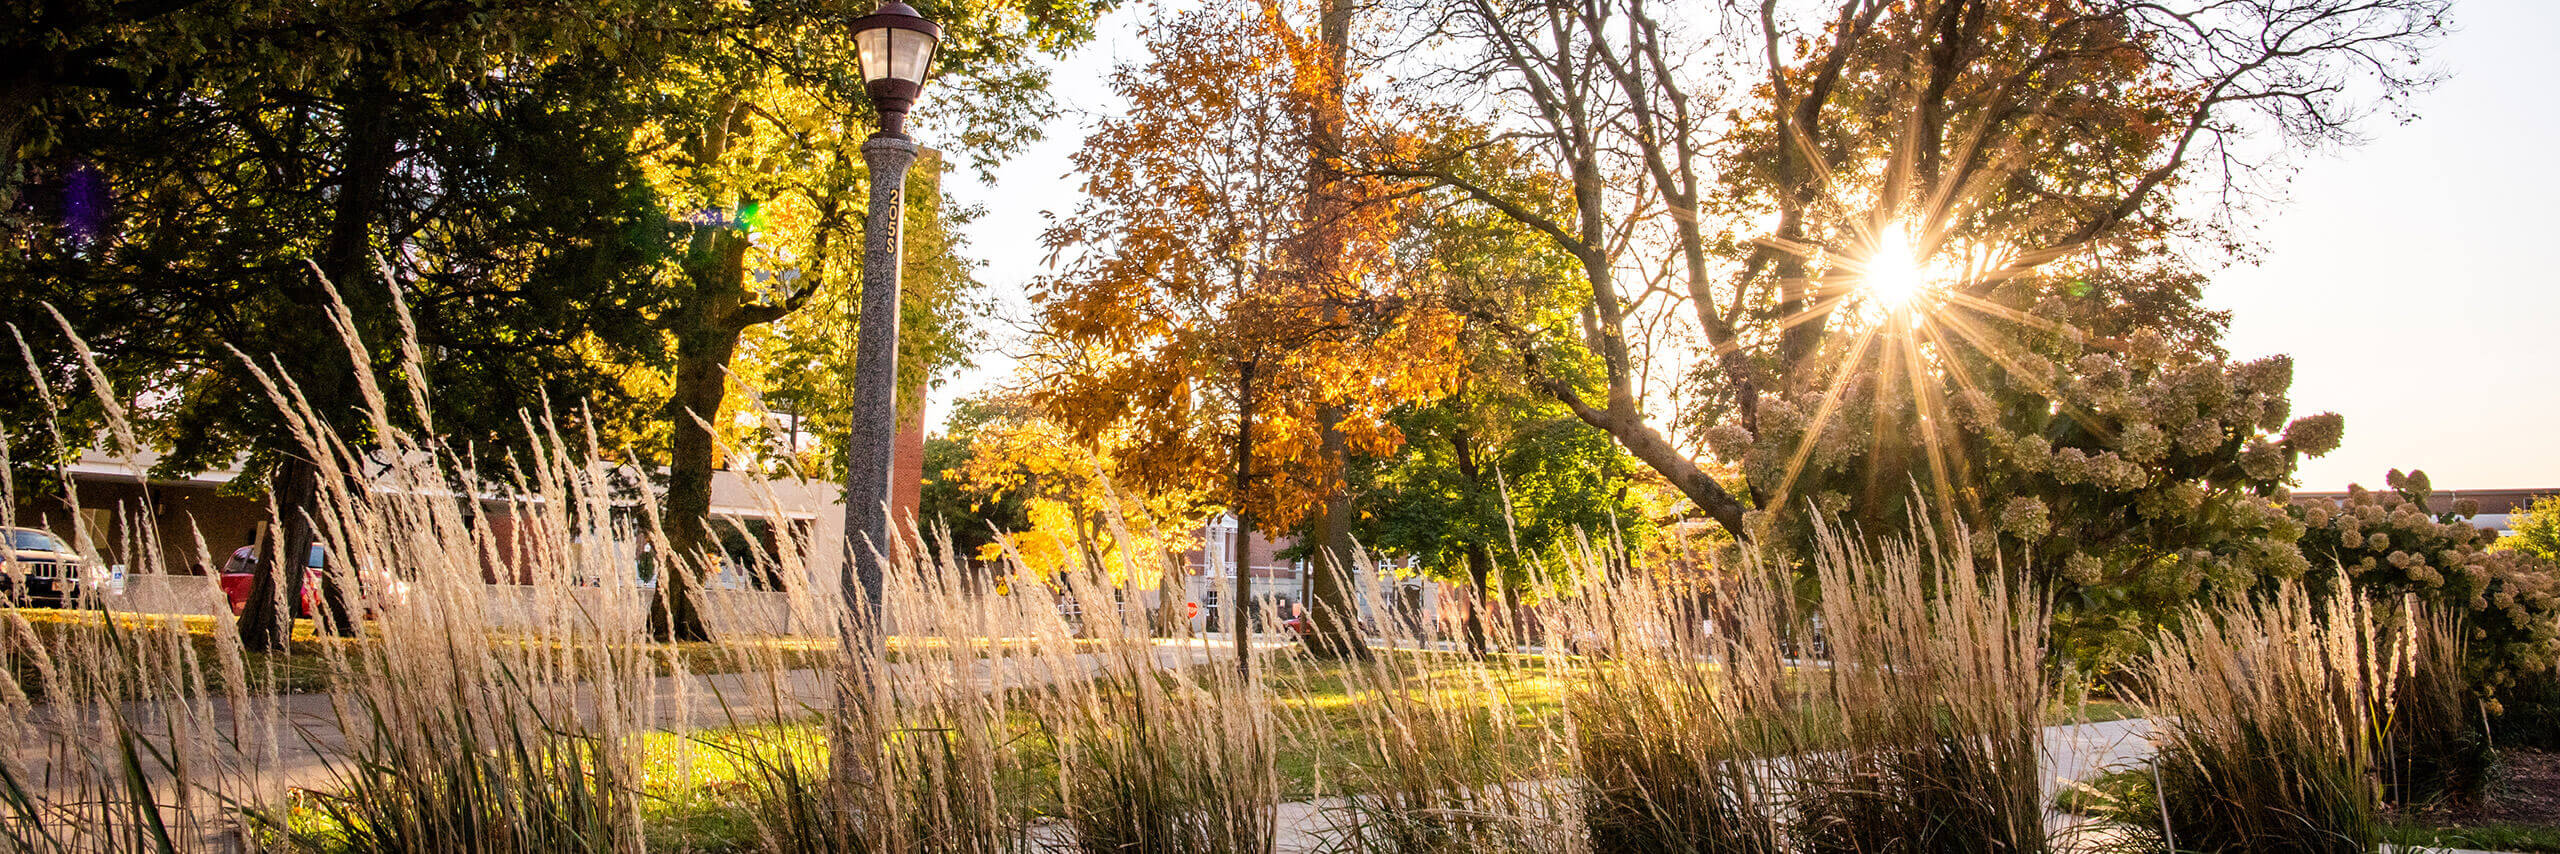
[[2315, 435]]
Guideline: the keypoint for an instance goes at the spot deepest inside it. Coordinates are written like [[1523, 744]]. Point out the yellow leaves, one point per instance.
[[1012, 452], [1072, 496], [1048, 548]]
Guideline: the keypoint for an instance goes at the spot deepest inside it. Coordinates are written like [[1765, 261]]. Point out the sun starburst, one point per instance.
[[1891, 274], [1914, 297]]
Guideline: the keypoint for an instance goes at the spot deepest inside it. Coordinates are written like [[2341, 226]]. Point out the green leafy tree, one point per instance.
[[1493, 491], [803, 363], [1495, 480], [759, 156], [182, 168], [2536, 531], [214, 222], [1894, 270], [1955, 145]]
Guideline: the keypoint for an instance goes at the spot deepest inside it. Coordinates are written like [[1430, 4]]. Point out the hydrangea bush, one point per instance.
[[2391, 542]]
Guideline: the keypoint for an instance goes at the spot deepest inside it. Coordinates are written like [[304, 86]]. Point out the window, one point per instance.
[[1216, 552], [35, 541]]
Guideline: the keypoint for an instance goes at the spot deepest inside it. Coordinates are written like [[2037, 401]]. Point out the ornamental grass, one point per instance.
[[502, 694]]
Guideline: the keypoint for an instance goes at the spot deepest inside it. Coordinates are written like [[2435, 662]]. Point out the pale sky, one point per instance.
[[2410, 278], [2406, 277]]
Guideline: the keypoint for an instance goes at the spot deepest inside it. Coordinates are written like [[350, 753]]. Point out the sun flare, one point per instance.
[[1892, 274]]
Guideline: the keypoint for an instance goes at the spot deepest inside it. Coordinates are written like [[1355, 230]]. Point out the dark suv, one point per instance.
[[37, 568]]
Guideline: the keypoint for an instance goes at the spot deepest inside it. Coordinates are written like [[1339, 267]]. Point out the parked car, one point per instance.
[[38, 568], [240, 575]]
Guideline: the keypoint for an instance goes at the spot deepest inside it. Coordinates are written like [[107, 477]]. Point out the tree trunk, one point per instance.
[[707, 336], [348, 261], [1333, 613], [1240, 611], [1462, 449], [265, 624], [1170, 620], [1648, 445], [367, 157], [1479, 574]]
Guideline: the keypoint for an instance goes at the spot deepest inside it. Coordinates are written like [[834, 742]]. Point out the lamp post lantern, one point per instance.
[[895, 47]]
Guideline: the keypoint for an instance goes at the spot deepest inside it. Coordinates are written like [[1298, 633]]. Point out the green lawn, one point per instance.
[[2111, 795], [2090, 711], [698, 788], [698, 791], [1332, 738], [82, 642]]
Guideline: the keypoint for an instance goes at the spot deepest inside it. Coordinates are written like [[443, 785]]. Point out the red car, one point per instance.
[[239, 575]]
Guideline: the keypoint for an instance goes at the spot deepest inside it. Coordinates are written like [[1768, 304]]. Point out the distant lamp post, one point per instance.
[[896, 48]]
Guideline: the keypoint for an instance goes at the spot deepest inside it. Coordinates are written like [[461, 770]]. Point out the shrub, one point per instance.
[[2268, 716], [1666, 742], [471, 776], [1447, 752], [2386, 544], [1156, 757], [2536, 531], [1920, 732], [1172, 763], [2528, 716], [2435, 750]]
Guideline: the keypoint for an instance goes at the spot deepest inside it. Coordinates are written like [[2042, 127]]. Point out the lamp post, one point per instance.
[[895, 47]]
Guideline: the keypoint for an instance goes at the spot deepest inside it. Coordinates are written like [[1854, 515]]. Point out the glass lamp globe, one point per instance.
[[896, 48]]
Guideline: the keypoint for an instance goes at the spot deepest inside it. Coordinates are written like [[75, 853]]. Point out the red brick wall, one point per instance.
[[906, 473]]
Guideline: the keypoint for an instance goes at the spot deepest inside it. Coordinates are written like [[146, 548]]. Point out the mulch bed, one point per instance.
[[2527, 790]]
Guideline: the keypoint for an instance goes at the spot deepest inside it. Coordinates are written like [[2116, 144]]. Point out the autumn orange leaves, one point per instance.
[[1224, 230]]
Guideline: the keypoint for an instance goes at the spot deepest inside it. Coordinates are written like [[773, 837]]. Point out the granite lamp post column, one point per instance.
[[871, 453], [896, 48]]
